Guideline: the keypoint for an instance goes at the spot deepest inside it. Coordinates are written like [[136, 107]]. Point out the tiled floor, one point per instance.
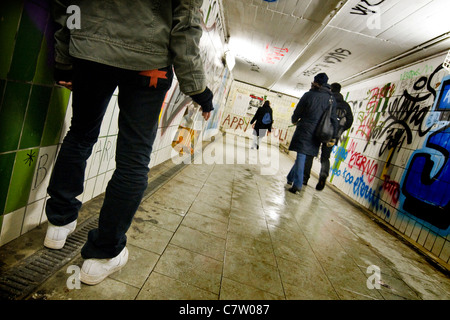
[[227, 231]]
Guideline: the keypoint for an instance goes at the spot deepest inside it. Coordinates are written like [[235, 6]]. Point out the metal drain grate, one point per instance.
[[19, 281]]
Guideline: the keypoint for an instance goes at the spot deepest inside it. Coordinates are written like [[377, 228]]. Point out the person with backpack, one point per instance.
[[264, 119], [345, 121], [306, 116]]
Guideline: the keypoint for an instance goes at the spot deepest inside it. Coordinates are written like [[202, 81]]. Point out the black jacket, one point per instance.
[[344, 114], [259, 116], [309, 111]]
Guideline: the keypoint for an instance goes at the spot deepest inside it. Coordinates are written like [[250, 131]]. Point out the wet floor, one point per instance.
[[230, 230]]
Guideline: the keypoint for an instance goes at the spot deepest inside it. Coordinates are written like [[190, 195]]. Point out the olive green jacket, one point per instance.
[[136, 35]]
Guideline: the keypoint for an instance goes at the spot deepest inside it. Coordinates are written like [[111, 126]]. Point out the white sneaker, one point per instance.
[[56, 236], [95, 271]]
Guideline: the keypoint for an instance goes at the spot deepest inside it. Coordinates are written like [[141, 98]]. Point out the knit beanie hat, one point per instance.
[[321, 78]]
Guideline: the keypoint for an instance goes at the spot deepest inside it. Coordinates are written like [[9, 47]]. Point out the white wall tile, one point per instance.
[[33, 213], [44, 166], [12, 226]]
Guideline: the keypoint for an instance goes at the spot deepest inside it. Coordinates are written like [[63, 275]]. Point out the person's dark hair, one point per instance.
[[335, 87], [266, 103]]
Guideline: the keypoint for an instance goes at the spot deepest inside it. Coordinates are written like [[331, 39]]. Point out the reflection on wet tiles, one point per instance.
[[209, 193], [159, 217], [250, 247], [232, 290], [199, 242], [190, 267], [248, 214], [310, 281], [252, 272], [206, 224], [161, 287], [210, 210], [140, 264], [305, 293], [280, 234], [217, 202], [177, 205], [392, 288], [145, 235], [227, 232], [351, 284], [296, 252], [425, 288], [258, 231]]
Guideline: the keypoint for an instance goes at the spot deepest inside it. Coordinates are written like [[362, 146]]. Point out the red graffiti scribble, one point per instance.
[[378, 102], [274, 54], [242, 123], [255, 97], [362, 163], [392, 187]]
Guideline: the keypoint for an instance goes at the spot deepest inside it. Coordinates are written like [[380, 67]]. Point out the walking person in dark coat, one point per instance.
[[307, 115], [345, 121], [263, 123]]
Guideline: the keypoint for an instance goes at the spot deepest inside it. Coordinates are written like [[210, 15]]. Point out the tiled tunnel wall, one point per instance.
[[241, 106], [35, 114], [32, 113], [395, 160]]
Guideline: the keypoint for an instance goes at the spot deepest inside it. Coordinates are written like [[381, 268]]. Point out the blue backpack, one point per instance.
[[266, 119]]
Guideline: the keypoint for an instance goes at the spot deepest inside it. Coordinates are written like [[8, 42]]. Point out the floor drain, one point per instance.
[[20, 280]]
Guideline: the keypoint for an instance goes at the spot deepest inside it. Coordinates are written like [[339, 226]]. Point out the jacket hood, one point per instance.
[[338, 96], [324, 88]]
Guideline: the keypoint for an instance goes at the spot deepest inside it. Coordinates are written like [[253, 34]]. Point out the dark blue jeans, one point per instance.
[[324, 164], [296, 173], [140, 99]]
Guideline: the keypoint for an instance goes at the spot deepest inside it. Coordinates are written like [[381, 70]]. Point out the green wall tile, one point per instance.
[[6, 167], [55, 116], [2, 91], [45, 63], [10, 12], [35, 117], [12, 114], [22, 178], [28, 42]]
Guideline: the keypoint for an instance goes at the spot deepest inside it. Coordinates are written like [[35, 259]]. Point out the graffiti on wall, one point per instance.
[[389, 122], [242, 124], [425, 185], [179, 105]]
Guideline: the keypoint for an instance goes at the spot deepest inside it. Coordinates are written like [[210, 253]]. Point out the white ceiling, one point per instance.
[[280, 45]]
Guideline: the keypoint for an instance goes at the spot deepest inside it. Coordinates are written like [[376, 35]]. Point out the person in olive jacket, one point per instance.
[[135, 46], [306, 116], [264, 120]]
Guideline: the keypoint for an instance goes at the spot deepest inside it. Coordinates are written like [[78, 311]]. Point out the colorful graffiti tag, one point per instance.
[[396, 156], [426, 183]]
